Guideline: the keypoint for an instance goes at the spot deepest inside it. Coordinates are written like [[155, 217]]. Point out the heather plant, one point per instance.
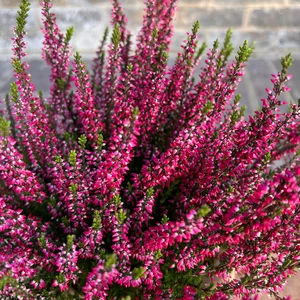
[[139, 181]]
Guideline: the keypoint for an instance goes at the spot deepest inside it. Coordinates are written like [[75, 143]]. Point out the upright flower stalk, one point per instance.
[[141, 182]]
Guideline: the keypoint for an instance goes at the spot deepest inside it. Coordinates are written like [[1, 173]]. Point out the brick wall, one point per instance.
[[273, 24]]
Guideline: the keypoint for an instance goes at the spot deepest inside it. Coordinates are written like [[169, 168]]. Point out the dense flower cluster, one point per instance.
[[138, 181]]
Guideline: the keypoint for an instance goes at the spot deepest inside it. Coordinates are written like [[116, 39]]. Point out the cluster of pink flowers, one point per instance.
[[139, 182]]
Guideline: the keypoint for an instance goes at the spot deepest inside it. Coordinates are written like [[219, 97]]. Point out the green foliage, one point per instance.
[[117, 199], [154, 34], [195, 27], [105, 35], [242, 110], [14, 92], [169, 192], [216, 45], [11, 118], [203, 211], [69, 34], [200, 51], [70, 241], [79, 62], [129, 67], [135, 113], [72, 158], [6, 280], [158, 255], [230, 189], [116, 36], [65, 221], [22, 16], [267, 157], [286, 62], [164, 219], [82, 141], [110, 260], [138, 273], [244, 53], [61, 84], [226, 50], [58, 159], [208, 106], [121, 216], [96, 220], [150, 192], [235, 116], [73, 188], [172, 279], [237, 99], [4, 127], [17, 65], [42, 240], [100, 141]]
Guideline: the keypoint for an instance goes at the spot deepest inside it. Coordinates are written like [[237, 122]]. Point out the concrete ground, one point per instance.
[[252, 88]]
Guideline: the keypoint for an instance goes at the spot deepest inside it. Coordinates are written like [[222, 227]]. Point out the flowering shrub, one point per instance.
[[140, 182]]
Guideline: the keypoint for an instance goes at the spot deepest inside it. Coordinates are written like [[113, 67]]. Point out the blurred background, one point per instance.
[[273, 24]]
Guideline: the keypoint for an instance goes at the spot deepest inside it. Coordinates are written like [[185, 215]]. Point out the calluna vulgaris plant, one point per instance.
[[139, 182]]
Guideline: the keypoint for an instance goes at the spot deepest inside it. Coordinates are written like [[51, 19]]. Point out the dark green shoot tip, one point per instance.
[[286, 62], [245, 52], [227, 48], [196, 27], [154, 33], [22, 16], [216, 44], [14, 92], [237, 98], [77, 57], [4, 127], [105, 35], [116, 36], [200, 50], [129, 67], [69, 34]]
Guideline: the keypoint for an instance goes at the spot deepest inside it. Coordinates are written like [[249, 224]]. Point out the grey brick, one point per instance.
[[260, 71], [294, 82], [177, 40], [84, 42], [16, 3], [80, 18], [272, 18], [288, 39], [80, 2], [8, 19], [248, 2], [36, 3], [34, 43], [40, 74], [5, 42], [6, 74], [33, 39], [192, 1], [186, 16], [264, 40], [248, 93], [134, 16]]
